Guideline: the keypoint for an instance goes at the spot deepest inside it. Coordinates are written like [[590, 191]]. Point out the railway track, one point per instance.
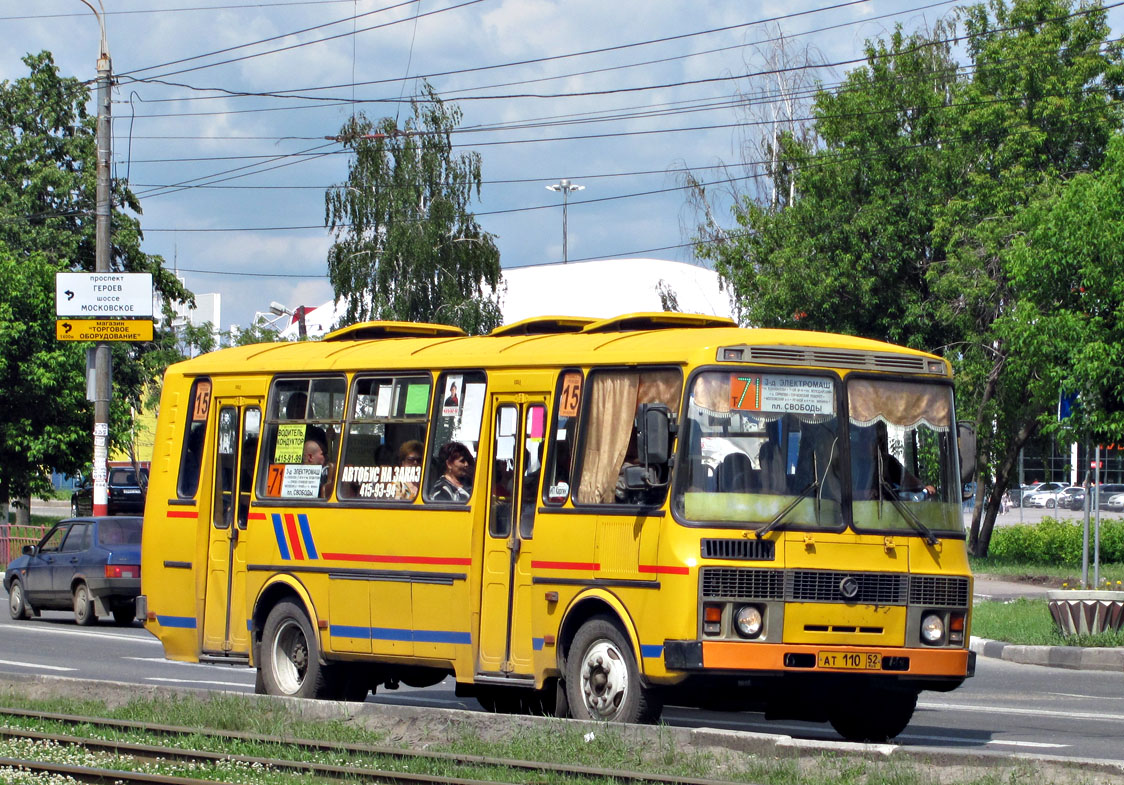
[[362, 762]]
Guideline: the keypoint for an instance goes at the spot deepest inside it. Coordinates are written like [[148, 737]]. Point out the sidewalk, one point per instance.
[[1072, 657]]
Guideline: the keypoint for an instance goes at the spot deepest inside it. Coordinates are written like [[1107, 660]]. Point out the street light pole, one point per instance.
[[103, 383], [565, 186]]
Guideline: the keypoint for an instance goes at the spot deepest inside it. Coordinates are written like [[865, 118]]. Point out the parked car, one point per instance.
[[1016, 493], [1049, 488], [90, 565], [1051, 498], [1115, 503], [124, 495], [1107, 491], [1073, 498]]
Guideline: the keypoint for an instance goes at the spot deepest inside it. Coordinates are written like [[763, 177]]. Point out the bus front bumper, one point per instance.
[[735, 657]]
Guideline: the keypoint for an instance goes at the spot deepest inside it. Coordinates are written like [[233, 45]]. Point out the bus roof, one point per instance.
[[629, 339]]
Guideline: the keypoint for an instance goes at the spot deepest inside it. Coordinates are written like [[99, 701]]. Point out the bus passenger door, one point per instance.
[[224, 616], [505, 604]]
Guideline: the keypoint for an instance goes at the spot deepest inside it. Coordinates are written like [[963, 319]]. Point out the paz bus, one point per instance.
[[589, 518]]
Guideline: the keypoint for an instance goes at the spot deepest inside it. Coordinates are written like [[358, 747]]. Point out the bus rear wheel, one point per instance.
[[602, 678], [873, 716], [291, 655]]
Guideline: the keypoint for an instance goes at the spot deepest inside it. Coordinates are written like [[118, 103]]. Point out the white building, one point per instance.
[[602, 288]]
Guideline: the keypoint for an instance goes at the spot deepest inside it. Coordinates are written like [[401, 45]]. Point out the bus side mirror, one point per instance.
[[966, 442], [654, 428]]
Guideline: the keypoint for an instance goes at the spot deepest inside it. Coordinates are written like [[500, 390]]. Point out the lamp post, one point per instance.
[[565, 186], [103, 383], [280, 310]]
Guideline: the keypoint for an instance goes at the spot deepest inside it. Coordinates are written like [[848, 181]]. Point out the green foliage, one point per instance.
[[47, 225], [1028, 622], [1054, 542], [407, 247], [932, 209]]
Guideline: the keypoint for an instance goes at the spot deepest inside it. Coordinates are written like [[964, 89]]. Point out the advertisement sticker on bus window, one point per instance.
[[383, 400], [290, 443], [781, 394], [417, 398], [571, 395], [536, 429], [202, 403], [454, 388], [301, 481], [383, 482]]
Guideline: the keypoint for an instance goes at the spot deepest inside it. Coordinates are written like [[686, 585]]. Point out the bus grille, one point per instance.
[[874, 588], [745, 550], [733, 583], [938, 591], [818, 356]]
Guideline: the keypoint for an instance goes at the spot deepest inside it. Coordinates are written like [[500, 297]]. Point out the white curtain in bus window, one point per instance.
[[612, 400], [385, 439]]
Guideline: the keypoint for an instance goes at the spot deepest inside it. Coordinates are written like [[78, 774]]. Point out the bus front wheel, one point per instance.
[[873, 716], [602, 678], [291, 655]]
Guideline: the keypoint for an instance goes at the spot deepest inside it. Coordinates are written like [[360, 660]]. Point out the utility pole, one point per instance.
[[565, 186], [103, 382]]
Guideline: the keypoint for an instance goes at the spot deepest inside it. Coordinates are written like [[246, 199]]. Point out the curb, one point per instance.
[[1069, 657]]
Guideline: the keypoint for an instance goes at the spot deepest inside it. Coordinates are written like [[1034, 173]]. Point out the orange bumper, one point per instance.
[[796, 658]]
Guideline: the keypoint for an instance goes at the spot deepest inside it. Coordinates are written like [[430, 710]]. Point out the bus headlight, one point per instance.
[[748, 621], [932, 629]]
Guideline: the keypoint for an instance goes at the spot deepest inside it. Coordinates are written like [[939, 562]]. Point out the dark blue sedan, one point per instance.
[[90, 565]]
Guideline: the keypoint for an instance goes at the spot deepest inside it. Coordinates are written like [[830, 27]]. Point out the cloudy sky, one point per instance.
[[616, 96]]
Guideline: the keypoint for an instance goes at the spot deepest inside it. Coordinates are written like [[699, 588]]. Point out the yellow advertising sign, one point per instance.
[[103, 329], [290, 443]]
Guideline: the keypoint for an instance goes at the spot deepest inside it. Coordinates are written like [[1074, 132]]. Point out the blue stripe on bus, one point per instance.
[[186, 622], [404, 636], [309, 547], [279, 532], [651, 650], [537, 643]]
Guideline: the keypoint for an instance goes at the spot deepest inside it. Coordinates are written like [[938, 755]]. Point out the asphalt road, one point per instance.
[[1006, 708]]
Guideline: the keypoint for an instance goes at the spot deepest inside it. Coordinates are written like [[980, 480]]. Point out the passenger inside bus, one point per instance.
[[458, 466], [316, 453], [410, 458]]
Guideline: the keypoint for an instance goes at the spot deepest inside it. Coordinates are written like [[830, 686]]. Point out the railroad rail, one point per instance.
[[356, 770]]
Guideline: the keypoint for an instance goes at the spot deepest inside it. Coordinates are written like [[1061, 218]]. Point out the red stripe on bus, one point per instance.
[[383, 559], [658, 570], [257, 516], [565, 565], [294, 538], [182, 514]]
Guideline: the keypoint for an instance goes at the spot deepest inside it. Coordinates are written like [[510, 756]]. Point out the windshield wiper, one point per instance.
[[907, 513], [776, 522]]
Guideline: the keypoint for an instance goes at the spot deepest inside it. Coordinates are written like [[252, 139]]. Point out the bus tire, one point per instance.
[[290, 663], [874, 716], [602, 678]]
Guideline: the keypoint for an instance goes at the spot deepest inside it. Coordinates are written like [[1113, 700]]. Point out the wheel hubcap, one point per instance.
[[15, 598], [290, 657], [604, 678]]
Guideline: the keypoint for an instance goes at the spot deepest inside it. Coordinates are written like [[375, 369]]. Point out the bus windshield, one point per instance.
[[903, 468], [762, 450]]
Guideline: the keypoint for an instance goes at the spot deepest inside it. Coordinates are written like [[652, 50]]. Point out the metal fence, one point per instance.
[[13, 538]]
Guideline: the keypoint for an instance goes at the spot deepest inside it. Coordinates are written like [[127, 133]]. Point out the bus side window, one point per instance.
[[458, 411], [609, 438], [195, 431], [562, 438], [301, 438]]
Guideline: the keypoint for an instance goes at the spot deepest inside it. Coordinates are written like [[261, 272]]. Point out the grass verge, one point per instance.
[[652, 751]]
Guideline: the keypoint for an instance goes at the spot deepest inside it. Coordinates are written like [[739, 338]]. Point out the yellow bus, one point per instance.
[[590, 518]]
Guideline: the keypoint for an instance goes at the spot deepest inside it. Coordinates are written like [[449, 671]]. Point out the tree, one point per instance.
[[905, 210], [47, 225], [406, 245]]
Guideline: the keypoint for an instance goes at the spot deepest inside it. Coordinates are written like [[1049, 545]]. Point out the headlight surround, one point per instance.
[[749, 621], [932, 629]]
